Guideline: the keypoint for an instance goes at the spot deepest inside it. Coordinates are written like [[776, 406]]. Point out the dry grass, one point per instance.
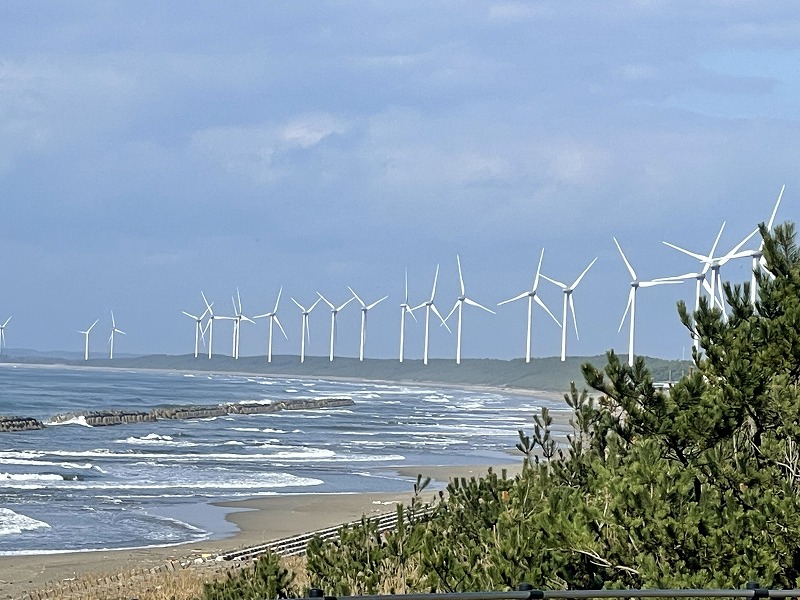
[[182, 583]]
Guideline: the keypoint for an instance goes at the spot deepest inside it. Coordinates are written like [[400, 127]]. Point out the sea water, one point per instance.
[[74, 487]]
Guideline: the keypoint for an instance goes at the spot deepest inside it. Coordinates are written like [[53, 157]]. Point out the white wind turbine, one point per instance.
[[635, 285], [364, 309], [758, 255], [532, 296], [210, 324], [86, 340], [199, 332], [304, 328], [334, 311], [568, 289], [237, 319], [404, 309], [114, 329], [3, 334], [714, 264], [430, 306], [459, 305], [273, 318]]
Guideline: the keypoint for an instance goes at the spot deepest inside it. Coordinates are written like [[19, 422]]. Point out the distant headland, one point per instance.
[[541, 374]]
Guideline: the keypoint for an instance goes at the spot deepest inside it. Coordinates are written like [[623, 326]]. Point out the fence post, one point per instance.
[[758, 591], [532, 593]]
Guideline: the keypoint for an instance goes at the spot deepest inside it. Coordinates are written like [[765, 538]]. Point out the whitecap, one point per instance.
[[13, 523]]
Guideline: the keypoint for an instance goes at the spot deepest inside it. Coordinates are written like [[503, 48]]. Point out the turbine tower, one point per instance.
[[364, 309], [404, 309], [334, 311], [430, 306], [237, 318], [86, 340], [304, 328], [3, 335], [198, 329], [532, 296], [114, 329], [273, 319], [635, 285], [568, 289], [459, 305]]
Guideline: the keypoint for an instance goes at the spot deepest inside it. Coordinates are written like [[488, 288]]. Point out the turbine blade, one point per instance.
[[7, 320], [700, 257], [473, 303], [574, 318], [374, 304], [624, 258], [716, 241], [544, 306], [313, 305], [278, 323], [411, 312], [538, 271], [300, 306], [563, 286], [435, 279], [278, 300], [736, 248], [655, 282], [406, 300], [683, 277], [586, 270], [627, 308], [442, 319], [452, 310], [518, 297], [192, 316], [345, 304], [325, 300], [360, 301], [93, 324], [460, 276]]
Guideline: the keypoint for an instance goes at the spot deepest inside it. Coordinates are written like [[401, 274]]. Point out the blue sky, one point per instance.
[[151, 150]]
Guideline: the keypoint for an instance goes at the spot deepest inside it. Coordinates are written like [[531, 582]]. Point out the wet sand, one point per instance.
[[258, 520]]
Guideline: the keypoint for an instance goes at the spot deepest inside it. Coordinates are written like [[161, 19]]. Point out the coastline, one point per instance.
[[257, 520]]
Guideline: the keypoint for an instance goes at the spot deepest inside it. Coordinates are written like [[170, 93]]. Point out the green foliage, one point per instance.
[[265, 579], [694, 486]]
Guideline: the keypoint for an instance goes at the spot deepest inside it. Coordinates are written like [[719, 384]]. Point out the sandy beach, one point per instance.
[[258, 520]]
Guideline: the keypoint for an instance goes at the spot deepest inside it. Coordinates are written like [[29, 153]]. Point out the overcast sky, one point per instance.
[[151, 150]]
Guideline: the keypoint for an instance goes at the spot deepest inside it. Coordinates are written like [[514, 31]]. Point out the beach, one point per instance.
[[257, 520]]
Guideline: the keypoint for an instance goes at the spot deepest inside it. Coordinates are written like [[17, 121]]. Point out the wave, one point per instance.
[[155, 440], [15, 523]]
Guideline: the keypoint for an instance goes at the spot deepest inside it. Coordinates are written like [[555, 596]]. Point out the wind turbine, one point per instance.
[[114, 329], [198, 329], [364, 309], [210, 323], [758, 255], [714, 264], [334, 311], [568, 289], [459, 305], [238, 317], [273, 318], [304, 328], [86, 336], [404, 309], [3, 334], [635, 285], [430, 306], [532, 296]]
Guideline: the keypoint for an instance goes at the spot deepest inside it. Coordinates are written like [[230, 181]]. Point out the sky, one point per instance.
[[150, 150]]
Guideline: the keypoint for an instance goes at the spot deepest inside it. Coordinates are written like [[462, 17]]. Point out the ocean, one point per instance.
[[73, 487]]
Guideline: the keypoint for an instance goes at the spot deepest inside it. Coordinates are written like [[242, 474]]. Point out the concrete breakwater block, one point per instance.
[[102, 418], [19, 423]]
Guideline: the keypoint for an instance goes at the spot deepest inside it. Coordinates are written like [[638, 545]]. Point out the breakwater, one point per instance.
[[102, 418]]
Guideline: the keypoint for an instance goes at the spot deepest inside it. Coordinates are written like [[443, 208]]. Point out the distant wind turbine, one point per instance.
[[635, 285], [568, 289], [532, 296], [364, 309], [305, 331], [114, 329], [273, 318], [199, 331], [86, 340], [210, 325], [237, 319], [334, 311], [459, 306], [759, 262], [3, 334], [404, 309], [430, 306]]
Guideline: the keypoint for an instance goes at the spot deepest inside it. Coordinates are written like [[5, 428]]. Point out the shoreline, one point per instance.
[[257, 520]]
